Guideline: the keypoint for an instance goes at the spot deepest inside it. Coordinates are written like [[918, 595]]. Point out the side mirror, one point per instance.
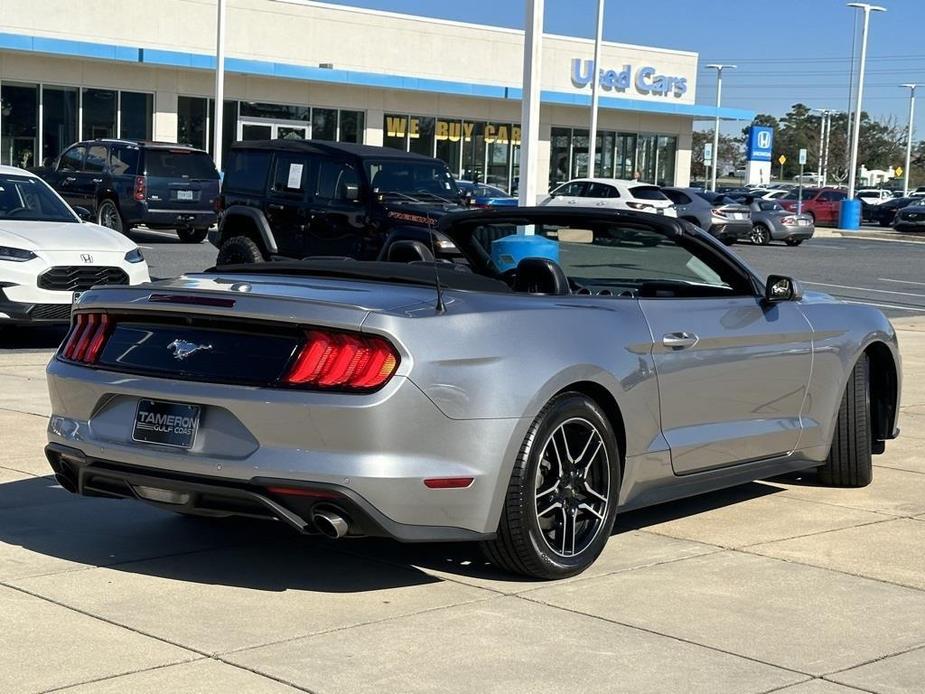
[[780, 288], [351, 192], [83, 213]]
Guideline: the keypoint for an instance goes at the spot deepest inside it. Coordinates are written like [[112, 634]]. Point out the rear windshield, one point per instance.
[[179, 163], [647, 193]]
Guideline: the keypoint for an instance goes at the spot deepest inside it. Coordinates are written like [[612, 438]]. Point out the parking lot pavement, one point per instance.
[[779, 585]]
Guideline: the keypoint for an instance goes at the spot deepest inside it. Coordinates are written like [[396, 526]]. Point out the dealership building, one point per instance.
[[302, 69]]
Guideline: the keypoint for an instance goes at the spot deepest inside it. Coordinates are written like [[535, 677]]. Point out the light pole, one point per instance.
[[909, 137], [825, 125], [218, 118], [530, 107], [595, 84], [719, 94], [856, 125]]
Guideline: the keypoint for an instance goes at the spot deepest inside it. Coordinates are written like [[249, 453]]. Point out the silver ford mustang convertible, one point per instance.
[[556, 368]]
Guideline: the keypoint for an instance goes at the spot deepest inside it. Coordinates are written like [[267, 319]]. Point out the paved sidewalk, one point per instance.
[[766, 587]]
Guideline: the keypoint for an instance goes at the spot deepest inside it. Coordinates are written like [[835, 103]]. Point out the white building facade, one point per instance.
[[301, 69]]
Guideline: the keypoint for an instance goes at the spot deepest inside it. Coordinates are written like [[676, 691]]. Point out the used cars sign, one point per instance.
[[646, 79]]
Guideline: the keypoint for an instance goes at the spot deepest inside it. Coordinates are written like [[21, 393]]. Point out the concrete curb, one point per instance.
[[875, 235]]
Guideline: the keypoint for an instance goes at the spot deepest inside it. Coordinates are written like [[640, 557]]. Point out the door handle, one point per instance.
[[97, 180], [69, 179], [274, 206], [681, 340]]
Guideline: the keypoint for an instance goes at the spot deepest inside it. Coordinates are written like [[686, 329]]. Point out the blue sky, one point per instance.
[[786, 50]]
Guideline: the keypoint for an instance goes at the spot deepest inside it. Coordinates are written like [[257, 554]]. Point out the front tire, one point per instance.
[[108, 215], [562, 497], [239, 250], [849, 462], [195, 235]]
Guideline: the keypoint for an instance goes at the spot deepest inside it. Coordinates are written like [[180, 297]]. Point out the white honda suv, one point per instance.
[[47, 253], [613, 193]]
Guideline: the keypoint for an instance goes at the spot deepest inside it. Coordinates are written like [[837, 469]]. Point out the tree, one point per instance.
[[731, 153]]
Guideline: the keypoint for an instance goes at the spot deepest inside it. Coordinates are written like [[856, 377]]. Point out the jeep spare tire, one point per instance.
[[239, 250]]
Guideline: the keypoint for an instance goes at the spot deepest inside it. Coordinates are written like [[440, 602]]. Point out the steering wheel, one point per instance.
[[15, 212]]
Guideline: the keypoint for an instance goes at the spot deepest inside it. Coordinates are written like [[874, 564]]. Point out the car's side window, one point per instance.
[[95, 161], [677, 197], [601, 190], [571, 190], [72, 159], [123, 160], [335, 179], [290, 175]]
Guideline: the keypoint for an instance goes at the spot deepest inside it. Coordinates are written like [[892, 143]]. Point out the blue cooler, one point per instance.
[[508, 251]]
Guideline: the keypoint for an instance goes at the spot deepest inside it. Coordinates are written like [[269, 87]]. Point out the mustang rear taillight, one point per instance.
[[87, 337], [342, 361]]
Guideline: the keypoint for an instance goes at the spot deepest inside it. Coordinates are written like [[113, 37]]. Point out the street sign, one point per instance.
[[708, 153], [899, 171], [802, 157], [782, 160]]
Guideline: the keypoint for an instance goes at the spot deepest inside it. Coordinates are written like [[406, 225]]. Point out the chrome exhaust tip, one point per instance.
[[330, 523]]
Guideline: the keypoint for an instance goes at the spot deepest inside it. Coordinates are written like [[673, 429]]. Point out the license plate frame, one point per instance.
[[185, 195], [153, 424]]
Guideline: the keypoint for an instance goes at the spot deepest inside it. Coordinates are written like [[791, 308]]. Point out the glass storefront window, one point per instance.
[[99, 113], [59, 121], [421, 135], [254, 109], [324, 124], [19, 107], [559, 157], [449, 143], [580, 145], [473, 151], [646, 166], [395, 131], [192, 116], [603, 160], [667, 150], [352, 125], [625, 157], [136, 115], [498, 139]]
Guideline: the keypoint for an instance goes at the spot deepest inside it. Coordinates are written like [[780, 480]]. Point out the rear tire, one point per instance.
[[761, 235], [192, 235], [793, 242], [728, 241], [107, 215], [535, 536], [849, 461], [239, 250]]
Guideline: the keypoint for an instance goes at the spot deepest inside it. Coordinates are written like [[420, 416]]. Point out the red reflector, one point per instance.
[[449, 482], [189, 299], [330, 359], [299, 491]]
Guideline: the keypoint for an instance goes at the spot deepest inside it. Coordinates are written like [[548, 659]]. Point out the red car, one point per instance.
[[822, 204]]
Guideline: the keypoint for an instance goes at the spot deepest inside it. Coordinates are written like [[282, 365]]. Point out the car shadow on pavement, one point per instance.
[[59, 530], [128, 536], [150, 237]]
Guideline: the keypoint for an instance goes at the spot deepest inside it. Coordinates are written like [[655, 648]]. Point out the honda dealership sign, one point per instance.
[[760, 143]]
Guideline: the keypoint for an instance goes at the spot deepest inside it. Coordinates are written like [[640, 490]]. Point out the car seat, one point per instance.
[[541, 276]]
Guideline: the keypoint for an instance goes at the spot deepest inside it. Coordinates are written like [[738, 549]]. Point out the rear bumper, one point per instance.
[[290, 502], [793, 231], [178, 218], [732, 230], [378, 447]]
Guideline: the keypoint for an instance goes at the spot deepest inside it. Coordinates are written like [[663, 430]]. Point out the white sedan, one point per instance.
[[613, 193], [47, 252]]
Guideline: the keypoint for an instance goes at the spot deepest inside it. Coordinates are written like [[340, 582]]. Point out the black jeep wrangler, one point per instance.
[[302, 198]]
